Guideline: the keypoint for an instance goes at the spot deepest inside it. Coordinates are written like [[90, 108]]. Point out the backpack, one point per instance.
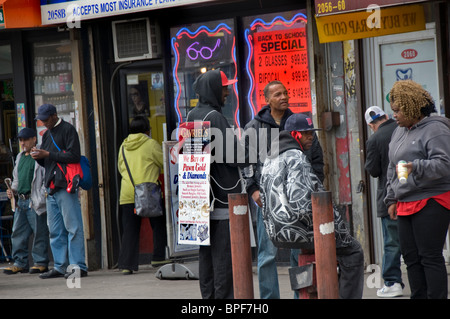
[[85, 182]]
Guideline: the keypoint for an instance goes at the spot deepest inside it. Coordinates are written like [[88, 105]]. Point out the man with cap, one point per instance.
[[267, 124], [377, 161], [215, 268], [287, 181], [61, 146], [30, 213]]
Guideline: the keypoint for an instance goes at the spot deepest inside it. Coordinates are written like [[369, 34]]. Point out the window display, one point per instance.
[[196, 49], [53, 79]]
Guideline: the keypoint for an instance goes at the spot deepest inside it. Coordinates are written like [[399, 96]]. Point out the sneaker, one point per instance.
[[126, 272], [38, 269], [14, 270], [395, 290]]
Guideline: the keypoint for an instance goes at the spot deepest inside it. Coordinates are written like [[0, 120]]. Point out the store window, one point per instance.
[[53, 80], [197, 48], [276, 49]]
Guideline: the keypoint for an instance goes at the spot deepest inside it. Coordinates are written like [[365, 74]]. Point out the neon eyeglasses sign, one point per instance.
[[198, 51]]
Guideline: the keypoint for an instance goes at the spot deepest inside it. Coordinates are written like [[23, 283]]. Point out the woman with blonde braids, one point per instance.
[[422, 204]]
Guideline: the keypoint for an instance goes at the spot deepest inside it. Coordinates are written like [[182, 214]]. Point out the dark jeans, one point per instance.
[[422, 237], [215, 267], [131, 226], [351, 271]]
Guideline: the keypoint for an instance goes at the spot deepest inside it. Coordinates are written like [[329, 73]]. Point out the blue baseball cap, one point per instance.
[[26, 133], [300, 122], [45, 111]]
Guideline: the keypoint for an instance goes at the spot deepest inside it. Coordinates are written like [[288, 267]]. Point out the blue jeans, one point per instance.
[[26, 222], [391, 258], [267, 267], [66, 230]]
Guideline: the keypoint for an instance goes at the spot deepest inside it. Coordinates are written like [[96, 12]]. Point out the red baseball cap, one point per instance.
[[225, 81]]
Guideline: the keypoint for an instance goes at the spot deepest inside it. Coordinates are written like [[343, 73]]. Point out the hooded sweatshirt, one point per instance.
[[145, 160], [224, 172], [427, 145]]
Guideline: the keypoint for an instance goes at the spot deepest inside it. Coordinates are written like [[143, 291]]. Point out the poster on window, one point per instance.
[[193, 179], [411, 60]]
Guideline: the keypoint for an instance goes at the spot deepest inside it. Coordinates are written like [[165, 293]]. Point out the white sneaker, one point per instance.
[[395, 290]]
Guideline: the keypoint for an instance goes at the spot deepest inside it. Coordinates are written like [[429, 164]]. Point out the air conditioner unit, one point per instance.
[[135, 39]]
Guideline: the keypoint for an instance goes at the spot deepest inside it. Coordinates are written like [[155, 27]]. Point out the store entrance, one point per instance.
[[142, 94], [8, 132]]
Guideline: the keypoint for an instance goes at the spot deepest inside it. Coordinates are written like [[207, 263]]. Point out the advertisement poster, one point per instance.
[[170, 151], [282, 55], [411, 60], [193, 180]]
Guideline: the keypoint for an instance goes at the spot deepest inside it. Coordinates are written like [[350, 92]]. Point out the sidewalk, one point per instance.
[[111, 284]]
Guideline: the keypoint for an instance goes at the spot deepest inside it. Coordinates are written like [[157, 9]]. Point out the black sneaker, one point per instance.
[[51, 274]]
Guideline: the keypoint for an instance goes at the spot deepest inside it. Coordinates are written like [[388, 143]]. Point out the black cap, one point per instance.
[[299, 122], [45, 111], [26, 133]]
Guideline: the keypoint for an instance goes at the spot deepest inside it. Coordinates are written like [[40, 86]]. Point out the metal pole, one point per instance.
[[325, 246], [240, 246]]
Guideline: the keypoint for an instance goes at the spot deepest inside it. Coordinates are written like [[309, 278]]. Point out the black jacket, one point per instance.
[[264, 120], [224, 173], [377, 160], [66, 137]]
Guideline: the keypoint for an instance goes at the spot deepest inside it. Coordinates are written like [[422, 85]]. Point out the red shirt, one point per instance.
[[409, 208]]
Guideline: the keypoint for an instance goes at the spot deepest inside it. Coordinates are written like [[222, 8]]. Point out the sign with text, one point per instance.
[[193, 179], [359, 25], [324, 7], [62, 11], [282, 55]]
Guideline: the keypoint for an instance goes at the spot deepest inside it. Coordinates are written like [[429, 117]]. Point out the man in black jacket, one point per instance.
[[267, 125], [60, 147], [377, 161], [215, 267]]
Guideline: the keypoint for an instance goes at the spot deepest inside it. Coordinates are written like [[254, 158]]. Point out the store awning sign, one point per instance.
[[371, 23], [326, 7], [70, 11]]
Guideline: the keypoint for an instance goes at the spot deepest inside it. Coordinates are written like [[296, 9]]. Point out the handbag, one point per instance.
[[147, 196]]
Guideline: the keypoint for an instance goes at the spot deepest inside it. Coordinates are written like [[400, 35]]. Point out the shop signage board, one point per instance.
[[359, 25], [2, 18], [277, 50], [325, 7], [63, 11], [193, 179]]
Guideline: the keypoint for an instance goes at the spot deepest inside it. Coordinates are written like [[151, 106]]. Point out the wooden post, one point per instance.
[[325, 246], [241, 254]]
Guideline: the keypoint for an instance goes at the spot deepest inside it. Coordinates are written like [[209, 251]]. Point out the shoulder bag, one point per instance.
[[147, 196]]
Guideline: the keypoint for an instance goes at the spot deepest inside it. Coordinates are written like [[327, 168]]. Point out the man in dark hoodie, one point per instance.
[[287, 181], [267, 124], [215, 267]]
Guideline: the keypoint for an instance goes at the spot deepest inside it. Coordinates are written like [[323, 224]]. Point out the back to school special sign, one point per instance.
[[282, 55], [193, 179]]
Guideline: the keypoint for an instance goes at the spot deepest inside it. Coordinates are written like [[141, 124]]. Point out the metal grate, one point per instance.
[[132, 40]]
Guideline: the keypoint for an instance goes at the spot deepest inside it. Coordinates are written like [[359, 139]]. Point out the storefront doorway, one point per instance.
[[142, 94]]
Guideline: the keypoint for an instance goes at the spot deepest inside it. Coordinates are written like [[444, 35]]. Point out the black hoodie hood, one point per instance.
[[208, 86]]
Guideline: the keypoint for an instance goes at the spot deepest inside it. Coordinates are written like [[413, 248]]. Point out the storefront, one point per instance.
[[365, 59]]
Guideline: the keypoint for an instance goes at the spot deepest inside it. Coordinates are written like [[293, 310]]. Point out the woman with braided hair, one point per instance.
[[422, 204]]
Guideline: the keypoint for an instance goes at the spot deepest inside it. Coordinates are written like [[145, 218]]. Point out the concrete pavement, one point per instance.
[[111, 284]]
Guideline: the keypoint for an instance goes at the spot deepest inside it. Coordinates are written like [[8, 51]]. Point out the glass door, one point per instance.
[[143, 95]]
